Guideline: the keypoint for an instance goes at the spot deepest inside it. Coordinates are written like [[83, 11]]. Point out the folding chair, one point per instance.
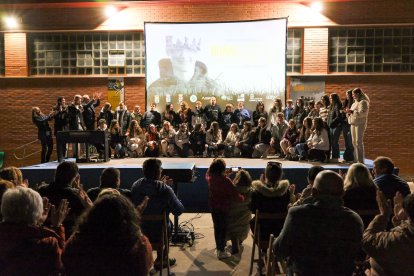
[[272, 265], [163, 243], [262, 243]]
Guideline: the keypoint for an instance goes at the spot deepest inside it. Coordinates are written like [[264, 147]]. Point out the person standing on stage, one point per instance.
[[136, 114], [89, 110], [75, 114], [241, 115], [151, 116], [212, 113], [123, 117], [358, 119], [44, 133], [106, 113], [61, 117]]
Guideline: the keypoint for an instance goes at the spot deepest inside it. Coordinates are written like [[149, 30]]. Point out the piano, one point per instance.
[[88, 137]]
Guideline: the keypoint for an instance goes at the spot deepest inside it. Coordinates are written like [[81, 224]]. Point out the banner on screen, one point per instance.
[[233, 61]]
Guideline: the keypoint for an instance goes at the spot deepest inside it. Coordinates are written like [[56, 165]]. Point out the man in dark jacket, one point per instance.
[[322, 237], [151, 116], [386, 180], [212, 112], [89, 110], [161, 199]]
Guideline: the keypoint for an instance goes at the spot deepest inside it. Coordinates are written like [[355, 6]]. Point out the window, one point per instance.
[[371, 50], [87, 53], [294, 51]]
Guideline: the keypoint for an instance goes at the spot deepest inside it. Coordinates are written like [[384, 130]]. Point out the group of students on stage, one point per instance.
[[295, 131]]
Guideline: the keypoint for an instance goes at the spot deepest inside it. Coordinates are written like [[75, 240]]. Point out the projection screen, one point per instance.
[[233, 61]]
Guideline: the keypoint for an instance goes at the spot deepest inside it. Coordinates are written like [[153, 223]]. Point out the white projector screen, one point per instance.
[[234, 61]]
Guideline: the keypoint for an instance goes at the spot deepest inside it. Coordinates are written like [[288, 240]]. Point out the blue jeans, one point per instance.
[[334, 140], [302, 149]]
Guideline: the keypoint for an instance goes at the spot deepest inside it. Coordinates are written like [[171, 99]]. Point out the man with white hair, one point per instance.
[[28, 248], [322, 237]]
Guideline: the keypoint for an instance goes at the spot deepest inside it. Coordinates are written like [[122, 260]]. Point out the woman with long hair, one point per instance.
[[290, 139], [221, 194], [117, 141], [214, 140], [346, 128], [246, 140], [44, 132], [358, 118], [276, 108], [198, 140], [258, 113], [230, 141], [334, 122], [170, 115], [301, 149], [299, 113], [318, 142], [185, 114], [108, 241], [182, 141], [153, 140], [136, 139]]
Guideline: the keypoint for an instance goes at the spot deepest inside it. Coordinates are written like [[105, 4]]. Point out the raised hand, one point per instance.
[[46, 209], [384, 205], [57, 216], [167, 180], [399, 212]]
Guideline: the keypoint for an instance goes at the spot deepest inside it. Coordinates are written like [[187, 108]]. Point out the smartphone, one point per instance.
[[235, 169]]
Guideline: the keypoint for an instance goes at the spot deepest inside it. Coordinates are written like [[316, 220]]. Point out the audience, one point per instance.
[[27, 248], [110, 178], [161, 199], [13, 175], [108, 241], [322, 237], [388, 182], [390, 251], [238, 225], [221, 194], [306, 195]]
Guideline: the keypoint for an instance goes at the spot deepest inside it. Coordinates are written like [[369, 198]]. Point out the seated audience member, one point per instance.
[[161, 199], [153, 142], [214, 140], [221, 194], [278, 129], [167, 134], [27, 248], [14, 175], [182, 141], [239, 217], [305, 195], [289, 140], [322, 237], [110, 178], [198, 140], [259, 113], [386, 180], [4, 186], [66, 185], [262, 139], [135, 139], [117, 140], [390, 251], [230, 141], [246, 140], [360, 191], [270, 195], [108, 241]]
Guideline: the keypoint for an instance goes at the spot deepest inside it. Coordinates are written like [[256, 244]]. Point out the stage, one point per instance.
[[194, 195]]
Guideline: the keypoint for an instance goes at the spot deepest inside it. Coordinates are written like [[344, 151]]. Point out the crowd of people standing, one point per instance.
[[297, 131]]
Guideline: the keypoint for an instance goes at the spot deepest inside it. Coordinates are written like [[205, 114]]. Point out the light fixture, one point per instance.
[[317, 6], [11, 22], [110, 11]]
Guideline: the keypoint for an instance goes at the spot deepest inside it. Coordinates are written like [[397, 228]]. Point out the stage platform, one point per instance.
[[193, 195]]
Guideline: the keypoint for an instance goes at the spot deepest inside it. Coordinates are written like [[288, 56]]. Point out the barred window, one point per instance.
[[87, 53], [294, 51], [371, 50]]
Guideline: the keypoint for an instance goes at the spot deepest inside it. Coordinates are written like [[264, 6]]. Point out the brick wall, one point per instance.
[[389, 129]]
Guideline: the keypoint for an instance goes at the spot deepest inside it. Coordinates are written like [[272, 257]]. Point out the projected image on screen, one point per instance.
[[234, 61]]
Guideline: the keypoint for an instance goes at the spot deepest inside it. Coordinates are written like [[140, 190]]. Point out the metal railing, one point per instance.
[[23, 149]]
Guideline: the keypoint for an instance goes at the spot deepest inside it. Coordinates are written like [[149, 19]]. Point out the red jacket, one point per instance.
[[30, 250], [221, 192]]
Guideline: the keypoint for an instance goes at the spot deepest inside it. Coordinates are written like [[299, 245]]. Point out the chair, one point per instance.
[[163, 244], [273, 266], [262, 243]]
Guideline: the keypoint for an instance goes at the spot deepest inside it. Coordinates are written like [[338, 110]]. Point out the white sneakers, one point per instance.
[[223, 254]]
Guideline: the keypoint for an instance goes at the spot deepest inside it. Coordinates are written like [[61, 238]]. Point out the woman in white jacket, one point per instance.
[[318, 142], [358, 117]]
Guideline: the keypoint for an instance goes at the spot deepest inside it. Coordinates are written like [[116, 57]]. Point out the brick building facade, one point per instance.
[[389, 129]]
